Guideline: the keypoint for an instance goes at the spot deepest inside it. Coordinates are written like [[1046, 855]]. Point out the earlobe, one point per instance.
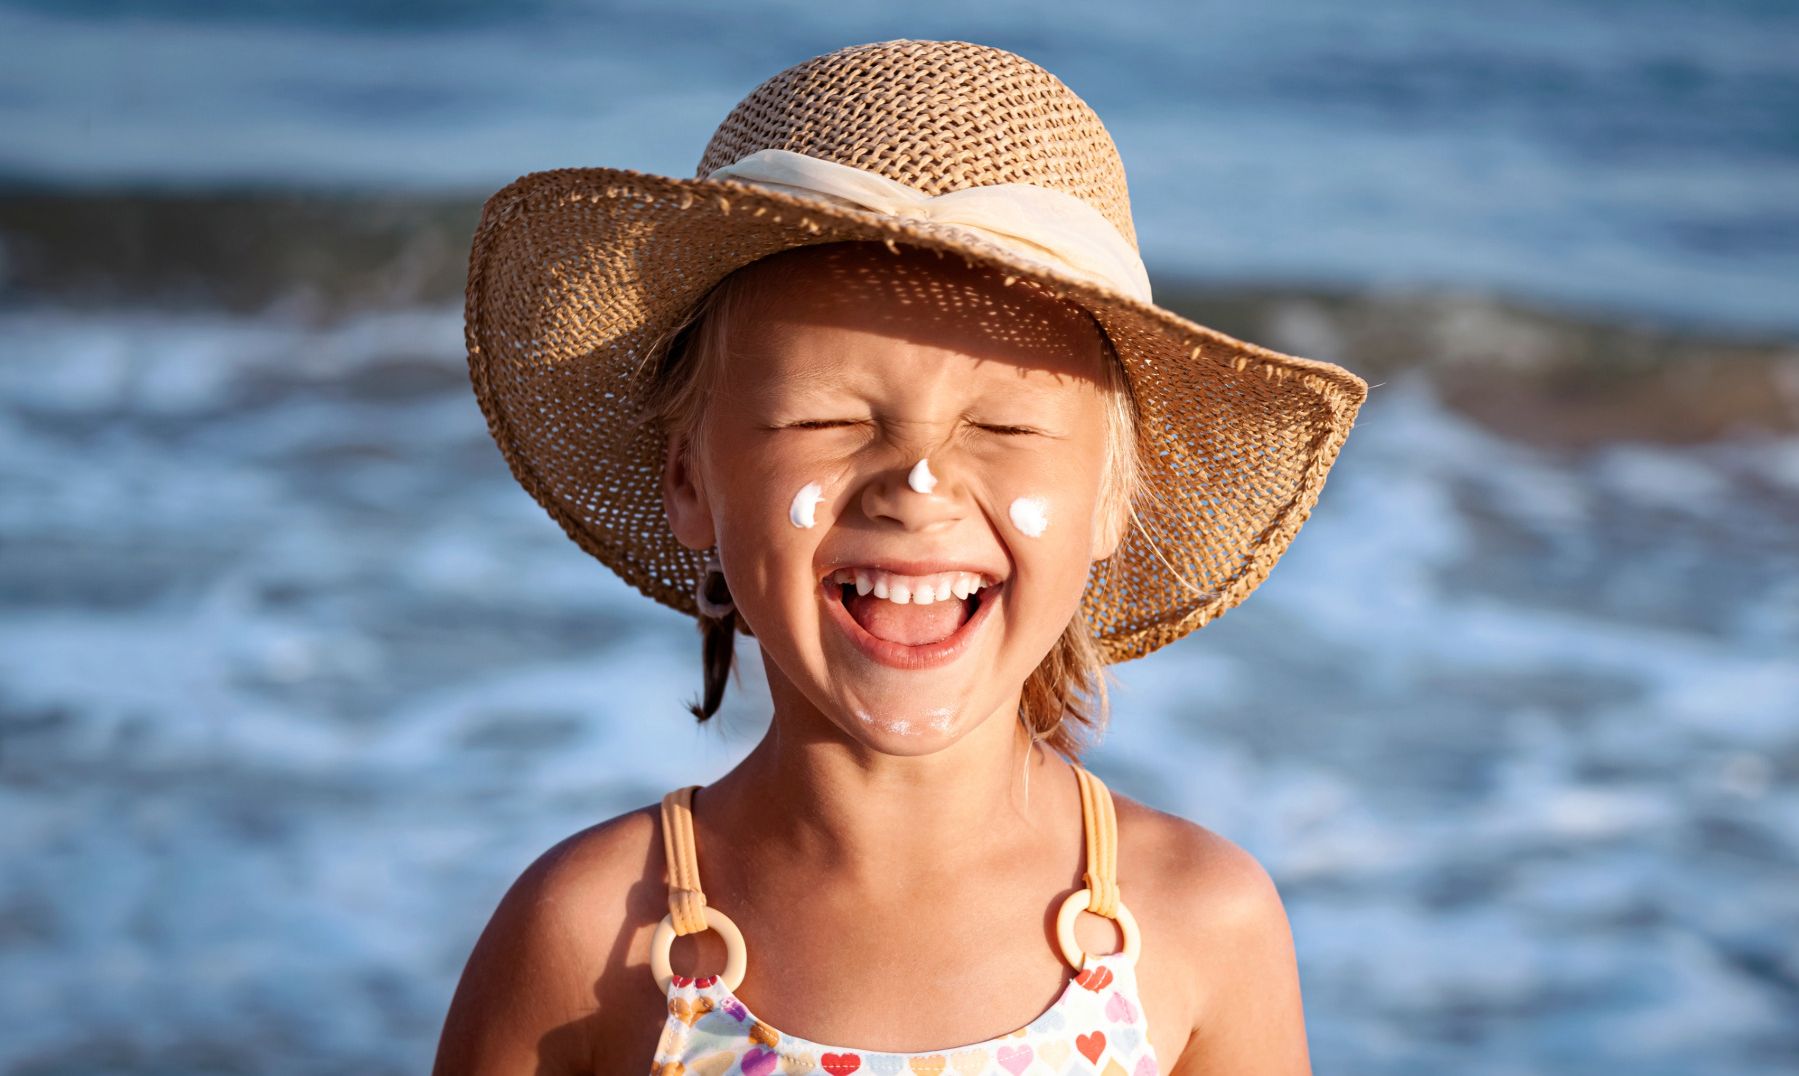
[[684, 497]]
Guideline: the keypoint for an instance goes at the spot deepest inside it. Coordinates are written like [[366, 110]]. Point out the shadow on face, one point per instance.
[[932, 300]]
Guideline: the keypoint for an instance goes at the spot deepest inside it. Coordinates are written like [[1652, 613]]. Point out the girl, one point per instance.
[[883, 388]]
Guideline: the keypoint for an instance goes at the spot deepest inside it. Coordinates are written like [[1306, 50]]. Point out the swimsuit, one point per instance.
[[1096, 1026]]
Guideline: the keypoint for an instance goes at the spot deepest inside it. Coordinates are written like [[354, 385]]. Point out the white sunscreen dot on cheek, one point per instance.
[[1030, 515], [803, 512], [920, 477]]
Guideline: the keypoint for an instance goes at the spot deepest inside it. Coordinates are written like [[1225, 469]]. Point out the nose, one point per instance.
[[893, 498]]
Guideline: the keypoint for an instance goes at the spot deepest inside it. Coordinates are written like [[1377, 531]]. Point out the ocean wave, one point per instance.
[[294, 679]]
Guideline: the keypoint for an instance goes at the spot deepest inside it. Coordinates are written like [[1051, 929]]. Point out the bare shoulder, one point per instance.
[[552, 972], [1223, 946], [1184, 868]]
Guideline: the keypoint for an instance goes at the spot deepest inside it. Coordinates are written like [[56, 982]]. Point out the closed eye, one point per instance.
[[819, 423], [1007, 431]]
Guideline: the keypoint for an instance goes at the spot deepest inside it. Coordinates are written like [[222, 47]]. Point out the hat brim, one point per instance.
[[576, 273]]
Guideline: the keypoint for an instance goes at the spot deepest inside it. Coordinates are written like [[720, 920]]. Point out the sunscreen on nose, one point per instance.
[[1030, 515], [920, 477], [803, 512]]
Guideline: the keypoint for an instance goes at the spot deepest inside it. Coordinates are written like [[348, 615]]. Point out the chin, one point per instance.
[[906, 730]]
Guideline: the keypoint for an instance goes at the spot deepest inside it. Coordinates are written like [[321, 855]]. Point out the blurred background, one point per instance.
[[294, 679]]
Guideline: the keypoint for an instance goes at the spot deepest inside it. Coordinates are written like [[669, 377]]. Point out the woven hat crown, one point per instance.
[[938, 116]]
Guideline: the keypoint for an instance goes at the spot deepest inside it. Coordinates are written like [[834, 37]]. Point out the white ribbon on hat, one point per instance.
[[1041, 224]]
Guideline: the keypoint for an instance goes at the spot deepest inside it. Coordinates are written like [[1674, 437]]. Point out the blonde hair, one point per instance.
[[1065, 697]]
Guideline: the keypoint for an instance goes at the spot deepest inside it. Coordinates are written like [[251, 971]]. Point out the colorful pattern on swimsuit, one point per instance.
[[1095, 1028]]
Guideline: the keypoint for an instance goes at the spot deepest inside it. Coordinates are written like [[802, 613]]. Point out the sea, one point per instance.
[[294, 678]]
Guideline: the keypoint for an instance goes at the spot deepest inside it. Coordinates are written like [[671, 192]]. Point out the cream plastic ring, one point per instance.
[[736, 959], [1071, 951]]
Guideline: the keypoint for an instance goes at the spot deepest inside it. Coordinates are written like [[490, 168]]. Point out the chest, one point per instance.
[[888, 985]]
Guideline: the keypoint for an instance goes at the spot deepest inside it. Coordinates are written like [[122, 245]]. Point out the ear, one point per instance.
[[1108, 531], [684, 497]]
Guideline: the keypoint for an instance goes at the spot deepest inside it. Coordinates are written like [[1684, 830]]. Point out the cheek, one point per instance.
[[756, 487], [1049, 534], [770, 520], [1049, 501]]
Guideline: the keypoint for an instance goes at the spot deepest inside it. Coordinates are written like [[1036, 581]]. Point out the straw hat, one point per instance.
[[577, 273]]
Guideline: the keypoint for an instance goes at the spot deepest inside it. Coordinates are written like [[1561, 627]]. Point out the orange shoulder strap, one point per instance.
[[686, 901], [1101, 825]]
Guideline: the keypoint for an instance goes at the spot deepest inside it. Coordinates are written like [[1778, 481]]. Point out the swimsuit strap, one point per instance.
[[1101, 824], [688, 912], [686, 901]]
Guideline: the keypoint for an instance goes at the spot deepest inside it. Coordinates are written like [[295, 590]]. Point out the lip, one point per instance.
[[899, 655]]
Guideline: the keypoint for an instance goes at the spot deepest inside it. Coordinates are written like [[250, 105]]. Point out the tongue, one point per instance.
[[909, 625]]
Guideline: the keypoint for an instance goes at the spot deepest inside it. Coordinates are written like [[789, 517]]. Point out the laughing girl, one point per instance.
[[881, 390]]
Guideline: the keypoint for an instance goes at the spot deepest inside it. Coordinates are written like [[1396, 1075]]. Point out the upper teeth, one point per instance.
[[910, 589]]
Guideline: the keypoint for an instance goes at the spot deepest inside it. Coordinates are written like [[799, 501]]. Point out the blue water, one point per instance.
[[1639, 158]]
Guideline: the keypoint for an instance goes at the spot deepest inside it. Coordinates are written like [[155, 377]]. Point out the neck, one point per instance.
[[811, 792]]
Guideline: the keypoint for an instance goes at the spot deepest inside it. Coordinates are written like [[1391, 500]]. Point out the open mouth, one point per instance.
[[909, 620]]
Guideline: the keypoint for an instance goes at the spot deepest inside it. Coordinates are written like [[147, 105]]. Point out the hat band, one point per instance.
[[1035, 222]]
